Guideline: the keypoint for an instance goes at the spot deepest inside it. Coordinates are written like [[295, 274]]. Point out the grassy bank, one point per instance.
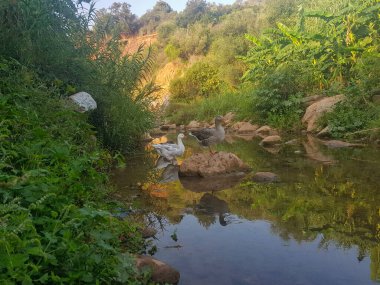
[[205, 109], [55, 226]]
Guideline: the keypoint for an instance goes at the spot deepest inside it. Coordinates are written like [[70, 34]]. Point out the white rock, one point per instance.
[[84, 101]]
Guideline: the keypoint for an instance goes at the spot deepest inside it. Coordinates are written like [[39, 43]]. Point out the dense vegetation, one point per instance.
[[54, 227], [275, 52], [256, 58], [56, 222]]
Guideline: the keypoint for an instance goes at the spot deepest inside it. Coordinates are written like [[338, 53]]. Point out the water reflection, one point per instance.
[[212, 184], [325, 212], [170, 173], [211, 205]]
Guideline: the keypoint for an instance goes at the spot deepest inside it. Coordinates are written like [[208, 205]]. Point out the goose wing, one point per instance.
[[203, 134], [169, 151], [166, 146]]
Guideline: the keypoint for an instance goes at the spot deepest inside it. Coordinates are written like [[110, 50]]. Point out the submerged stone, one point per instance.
[[265, 177], [161, 272]]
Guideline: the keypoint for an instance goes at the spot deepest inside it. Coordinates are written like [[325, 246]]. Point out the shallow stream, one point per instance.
[[319, 225]]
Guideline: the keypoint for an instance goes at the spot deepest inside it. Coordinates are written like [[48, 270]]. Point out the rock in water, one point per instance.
[[206, 164], [265, 177], [340, 144], [161, 272], [271, 141]]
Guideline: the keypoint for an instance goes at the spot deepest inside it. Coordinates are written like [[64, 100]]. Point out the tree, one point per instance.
[[160, 13], [116, 20], [194, 11]]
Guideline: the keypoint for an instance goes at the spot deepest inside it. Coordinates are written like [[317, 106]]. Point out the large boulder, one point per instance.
[[160, 272], [307, 101], [317, 109], [244, 128], [266, 131], [265, 177], [194, 125], [84, 101], [167, 127], [207, 164], [271, 141], [228, 118]]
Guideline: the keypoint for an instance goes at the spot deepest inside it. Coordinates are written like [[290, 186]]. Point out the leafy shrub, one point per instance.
[[201, 80], [172, 52], [194, 40], [55, 228], [124, 94], [349, 116], [45, 34], [279, 95], [164, 31]]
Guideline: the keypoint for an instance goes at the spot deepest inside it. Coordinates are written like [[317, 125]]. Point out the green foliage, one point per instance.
[[160, 13], [172, 52], [277, 97], [335, 50], [192, 13], [206, 109], [201, 80], [45, 34], [123, 115], [350, 116], [53, 229], [116, 20], [195, 40], [284, 11], [164, 32]]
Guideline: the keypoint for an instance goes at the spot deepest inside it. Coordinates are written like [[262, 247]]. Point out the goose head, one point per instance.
[[181, 136], [219, 120]]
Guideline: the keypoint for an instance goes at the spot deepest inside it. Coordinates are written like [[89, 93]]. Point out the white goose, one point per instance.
[[171, 150]]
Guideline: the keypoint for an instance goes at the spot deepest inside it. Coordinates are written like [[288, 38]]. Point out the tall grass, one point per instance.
[[205, 109]]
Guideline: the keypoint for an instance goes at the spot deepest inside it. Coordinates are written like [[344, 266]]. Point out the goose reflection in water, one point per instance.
[[209, 206], [162, 162], [170, 173]]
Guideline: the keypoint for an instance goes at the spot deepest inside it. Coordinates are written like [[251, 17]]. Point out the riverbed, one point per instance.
[[320, 224]]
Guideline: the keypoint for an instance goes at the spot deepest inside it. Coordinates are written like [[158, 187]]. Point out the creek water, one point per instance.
[[319, 225]]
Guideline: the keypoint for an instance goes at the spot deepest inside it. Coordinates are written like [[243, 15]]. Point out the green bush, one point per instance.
[[172, 52], [350, 116], [124, 95], [55, 228], [200, 80], [278, 96], [49, 35]]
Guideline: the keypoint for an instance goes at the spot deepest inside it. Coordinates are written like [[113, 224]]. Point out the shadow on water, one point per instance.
[[324, 213]]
